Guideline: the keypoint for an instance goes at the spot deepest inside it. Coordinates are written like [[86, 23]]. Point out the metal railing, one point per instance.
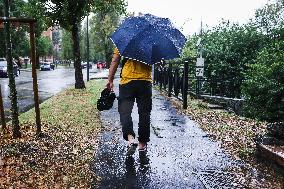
[[214, 87], [173, 78], [179, 80]]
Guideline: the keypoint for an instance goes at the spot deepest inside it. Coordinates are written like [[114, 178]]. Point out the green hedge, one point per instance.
[[264, 85]]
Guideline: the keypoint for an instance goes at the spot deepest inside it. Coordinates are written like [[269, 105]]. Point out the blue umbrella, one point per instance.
[[148, 39]]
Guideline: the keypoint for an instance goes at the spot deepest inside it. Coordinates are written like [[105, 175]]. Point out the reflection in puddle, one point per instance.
[[140, 176], [144, 160], [131, 178]]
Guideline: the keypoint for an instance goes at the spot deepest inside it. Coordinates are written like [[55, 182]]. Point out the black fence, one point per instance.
[[213, 86], [179, 80], [173, 77]]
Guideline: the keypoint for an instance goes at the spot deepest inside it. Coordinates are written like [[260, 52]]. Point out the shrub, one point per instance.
[[264, 85]]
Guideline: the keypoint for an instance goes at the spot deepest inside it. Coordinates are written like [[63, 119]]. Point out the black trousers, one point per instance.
[[141, 91]]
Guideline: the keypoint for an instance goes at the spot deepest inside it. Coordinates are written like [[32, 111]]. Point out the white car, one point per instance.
[[46, 66], [4, 70]]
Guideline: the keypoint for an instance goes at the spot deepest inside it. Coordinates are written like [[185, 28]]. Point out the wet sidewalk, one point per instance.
[[180, 154]]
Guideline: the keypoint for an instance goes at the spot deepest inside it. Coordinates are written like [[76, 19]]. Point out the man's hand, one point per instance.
[[110, 86]]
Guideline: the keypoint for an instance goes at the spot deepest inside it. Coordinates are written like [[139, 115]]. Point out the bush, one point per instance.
[[264, 85]]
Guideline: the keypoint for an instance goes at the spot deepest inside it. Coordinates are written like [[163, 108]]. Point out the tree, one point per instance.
[[56, 38], [106, 19], [66, 45], [20, 45], [270, 17], [69, 14], [44, 46], [228, 48], [264, 85], [103, 25], [190, 50], [12, 84], [35, 9]]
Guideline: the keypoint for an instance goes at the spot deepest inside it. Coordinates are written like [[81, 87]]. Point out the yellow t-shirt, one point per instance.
[[134, 70]]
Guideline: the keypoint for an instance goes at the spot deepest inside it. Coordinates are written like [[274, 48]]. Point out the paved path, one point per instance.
[[180, 154]]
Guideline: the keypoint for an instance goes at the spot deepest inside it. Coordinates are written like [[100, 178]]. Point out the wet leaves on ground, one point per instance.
[[61, 158]]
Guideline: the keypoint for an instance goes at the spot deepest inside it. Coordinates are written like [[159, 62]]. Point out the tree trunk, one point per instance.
[[37, 61], [79, 81], [12, 84]]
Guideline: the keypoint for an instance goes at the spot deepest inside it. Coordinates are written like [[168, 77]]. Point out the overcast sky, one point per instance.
[[187, 14]]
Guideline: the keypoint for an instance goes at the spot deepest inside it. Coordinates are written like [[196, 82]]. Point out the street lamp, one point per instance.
[[88, 71]]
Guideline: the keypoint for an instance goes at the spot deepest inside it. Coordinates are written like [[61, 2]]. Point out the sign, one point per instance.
[[200, 62], [199, 72]]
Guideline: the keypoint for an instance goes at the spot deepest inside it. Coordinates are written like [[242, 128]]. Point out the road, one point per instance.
[[49, 83]]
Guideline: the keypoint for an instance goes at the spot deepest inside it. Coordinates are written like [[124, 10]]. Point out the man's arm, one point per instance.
[[112, 70]]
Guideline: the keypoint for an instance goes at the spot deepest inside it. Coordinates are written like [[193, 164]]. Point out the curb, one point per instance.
[[25, 70], [273, 153]]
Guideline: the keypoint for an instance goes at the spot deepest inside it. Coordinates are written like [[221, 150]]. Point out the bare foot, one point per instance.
[[131, 139], [132, 145], [142, 146]]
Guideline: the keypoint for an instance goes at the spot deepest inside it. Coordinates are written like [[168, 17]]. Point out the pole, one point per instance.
[[185, 85], [170, 79], [12, 84], [88, 71], [34, 75], [2, 112]]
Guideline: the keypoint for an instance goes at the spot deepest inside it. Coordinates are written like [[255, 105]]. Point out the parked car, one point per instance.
[[4, 69], [84, 65], [101, 65], [46, 66]]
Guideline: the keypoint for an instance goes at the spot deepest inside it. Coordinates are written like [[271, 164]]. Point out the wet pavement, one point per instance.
[[180, 154], [49, 84]]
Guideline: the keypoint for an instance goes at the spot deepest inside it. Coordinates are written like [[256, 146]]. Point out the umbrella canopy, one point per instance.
[[148, 39]]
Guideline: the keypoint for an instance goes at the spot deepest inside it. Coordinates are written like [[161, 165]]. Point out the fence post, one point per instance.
[[154, 75], [213, 85], [170, 80], [198, 86], [176, 82], [161, 76], [185, 85]]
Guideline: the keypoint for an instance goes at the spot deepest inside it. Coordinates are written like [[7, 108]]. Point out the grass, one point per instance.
[[61, 159], [28, 66]]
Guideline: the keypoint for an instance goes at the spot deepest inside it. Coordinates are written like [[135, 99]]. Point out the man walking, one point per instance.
[[135, 84]]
